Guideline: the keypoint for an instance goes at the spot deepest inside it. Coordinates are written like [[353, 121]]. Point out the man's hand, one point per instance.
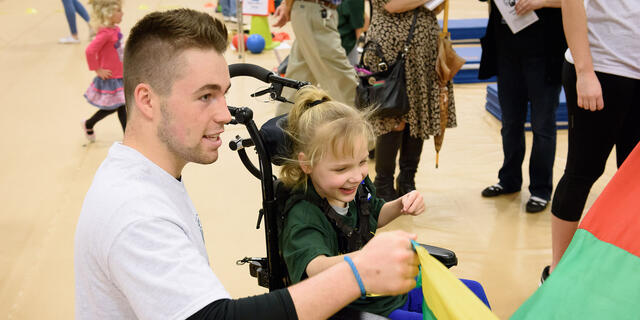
[[103, 73], [412, 203], [387, 264], [589, 91], [526, 6], [281, 15]]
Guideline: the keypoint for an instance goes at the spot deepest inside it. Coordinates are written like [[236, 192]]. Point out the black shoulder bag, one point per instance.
[[385, 90]]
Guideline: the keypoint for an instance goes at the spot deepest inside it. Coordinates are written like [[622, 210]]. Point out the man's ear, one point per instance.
[[144, 99], [302, 160]]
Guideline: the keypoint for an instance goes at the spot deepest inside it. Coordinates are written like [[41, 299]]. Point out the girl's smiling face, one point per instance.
[[337, 177]]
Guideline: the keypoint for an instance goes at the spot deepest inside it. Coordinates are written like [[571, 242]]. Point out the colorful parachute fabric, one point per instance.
[[599, 274], [447, 297]]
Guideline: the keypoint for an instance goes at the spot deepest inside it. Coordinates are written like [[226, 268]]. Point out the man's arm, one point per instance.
[[387, 265], [276, 305], [574, 20]]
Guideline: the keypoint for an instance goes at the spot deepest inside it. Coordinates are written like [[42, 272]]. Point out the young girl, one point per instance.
[[104, 56], [333, 209]]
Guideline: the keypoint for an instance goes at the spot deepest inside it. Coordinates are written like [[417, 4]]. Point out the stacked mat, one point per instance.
[[469, 72], [493, 106], [468, 32]]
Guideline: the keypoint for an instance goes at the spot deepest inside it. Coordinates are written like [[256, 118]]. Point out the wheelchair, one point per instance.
[[270, 143]]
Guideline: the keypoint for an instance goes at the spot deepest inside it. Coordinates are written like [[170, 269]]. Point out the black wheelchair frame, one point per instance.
[[270, 271]]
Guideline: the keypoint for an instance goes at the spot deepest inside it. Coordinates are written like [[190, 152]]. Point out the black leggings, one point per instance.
[[592, 135], [100, 114]]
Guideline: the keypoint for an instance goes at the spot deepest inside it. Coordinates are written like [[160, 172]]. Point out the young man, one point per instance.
[[139, 247]]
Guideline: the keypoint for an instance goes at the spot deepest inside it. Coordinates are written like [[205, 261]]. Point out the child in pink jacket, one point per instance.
[[104, 56]]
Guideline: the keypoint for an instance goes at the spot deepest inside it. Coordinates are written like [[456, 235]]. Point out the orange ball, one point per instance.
[[235, 40]]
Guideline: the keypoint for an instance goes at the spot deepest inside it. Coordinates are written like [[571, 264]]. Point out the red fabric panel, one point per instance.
[[615, 216]]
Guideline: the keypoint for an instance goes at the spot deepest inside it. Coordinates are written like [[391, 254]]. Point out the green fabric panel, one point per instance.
[[594, 280]]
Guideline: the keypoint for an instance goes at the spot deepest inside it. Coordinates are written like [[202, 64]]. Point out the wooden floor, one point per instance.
[[46, 168]]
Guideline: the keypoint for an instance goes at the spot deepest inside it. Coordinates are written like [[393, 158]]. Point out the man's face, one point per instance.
[[194, 114]]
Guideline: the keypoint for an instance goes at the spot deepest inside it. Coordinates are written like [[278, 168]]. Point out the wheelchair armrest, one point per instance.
[[446, 256], [354, 314]]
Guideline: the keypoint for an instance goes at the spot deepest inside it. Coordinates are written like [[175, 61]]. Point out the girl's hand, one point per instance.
[[103, 73], [526, 6], [412, 203], [589, 92]]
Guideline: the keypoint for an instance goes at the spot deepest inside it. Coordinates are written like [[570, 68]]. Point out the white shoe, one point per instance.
[[68, 40], [233, 19]]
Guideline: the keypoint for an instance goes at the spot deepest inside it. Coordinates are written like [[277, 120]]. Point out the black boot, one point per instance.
[[410, 152], [387, 146]]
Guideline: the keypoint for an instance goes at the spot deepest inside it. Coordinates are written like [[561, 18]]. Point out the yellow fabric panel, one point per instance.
[[446, 296]]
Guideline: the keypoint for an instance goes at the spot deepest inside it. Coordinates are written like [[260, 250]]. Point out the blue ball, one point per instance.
[[255, 43]]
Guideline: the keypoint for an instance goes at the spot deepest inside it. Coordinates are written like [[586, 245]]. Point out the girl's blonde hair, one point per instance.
[[102, 12], [317, 125]]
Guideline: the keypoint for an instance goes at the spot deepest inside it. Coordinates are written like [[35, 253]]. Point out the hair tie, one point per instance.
[[317, 102]]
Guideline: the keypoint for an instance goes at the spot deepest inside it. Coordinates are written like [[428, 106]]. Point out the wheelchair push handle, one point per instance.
[[264, 75]]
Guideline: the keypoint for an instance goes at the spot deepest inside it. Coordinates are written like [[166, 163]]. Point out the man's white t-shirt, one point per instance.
[[139, 248], [614, 30]]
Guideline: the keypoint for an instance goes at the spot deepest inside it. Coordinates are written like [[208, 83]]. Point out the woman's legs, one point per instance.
[[387, 146], [228, 8], [81, 10], [512, 95], [410, 151], [592, 135], [561, 234], [70, 9]]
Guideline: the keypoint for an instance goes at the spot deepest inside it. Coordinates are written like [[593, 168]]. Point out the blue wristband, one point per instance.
[[356, 274]]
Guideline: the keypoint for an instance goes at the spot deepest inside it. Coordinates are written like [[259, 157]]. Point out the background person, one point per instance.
[[317, 55], [528, 66], [71, 7], [104, 56], [390, 24], [601, 79]]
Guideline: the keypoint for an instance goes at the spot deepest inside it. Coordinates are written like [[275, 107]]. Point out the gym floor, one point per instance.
[[47, 166]]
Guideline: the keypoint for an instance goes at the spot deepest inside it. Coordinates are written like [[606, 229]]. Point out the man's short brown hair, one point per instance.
[[155, 42]]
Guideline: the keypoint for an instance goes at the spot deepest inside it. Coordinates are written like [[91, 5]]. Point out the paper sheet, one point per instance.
[[255, 7], [432, 4], [515, 22]]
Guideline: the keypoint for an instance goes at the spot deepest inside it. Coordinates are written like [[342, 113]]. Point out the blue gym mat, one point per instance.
[[467, 30], [493, 106], [469, 72]]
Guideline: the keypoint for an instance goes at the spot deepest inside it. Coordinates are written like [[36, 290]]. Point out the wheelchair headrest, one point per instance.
[[276, 140]]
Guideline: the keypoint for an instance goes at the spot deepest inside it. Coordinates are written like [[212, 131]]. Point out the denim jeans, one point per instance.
[[228, 8], [70, 9], [522, 79]]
